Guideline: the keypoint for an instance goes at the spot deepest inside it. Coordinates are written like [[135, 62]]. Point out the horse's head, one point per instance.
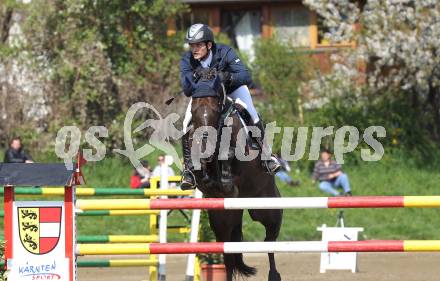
[[205, 112], [206, 107]]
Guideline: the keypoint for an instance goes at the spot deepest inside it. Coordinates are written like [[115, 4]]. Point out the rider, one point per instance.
[[205, 53]]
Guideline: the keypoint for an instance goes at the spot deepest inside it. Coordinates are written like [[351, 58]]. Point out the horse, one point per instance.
[[246, 179]]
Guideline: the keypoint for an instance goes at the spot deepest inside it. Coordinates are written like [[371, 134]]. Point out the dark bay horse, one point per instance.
[[248, 179]]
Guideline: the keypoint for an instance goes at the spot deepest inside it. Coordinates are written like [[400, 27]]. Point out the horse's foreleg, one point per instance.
[[274, 275], [271, 219], [222, 223]]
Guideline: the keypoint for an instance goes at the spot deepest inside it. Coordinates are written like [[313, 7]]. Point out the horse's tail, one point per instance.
[[239, 267]]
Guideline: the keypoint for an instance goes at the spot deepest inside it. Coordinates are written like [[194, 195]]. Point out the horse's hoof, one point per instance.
[[274, 276]]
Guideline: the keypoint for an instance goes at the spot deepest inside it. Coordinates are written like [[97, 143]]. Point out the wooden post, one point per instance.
[[70, 228], [214, 19], [266, 30], [313, 30], [171, 27]]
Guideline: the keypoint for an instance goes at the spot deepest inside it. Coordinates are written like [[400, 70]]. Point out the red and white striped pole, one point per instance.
[[261, 247], [262, 203]]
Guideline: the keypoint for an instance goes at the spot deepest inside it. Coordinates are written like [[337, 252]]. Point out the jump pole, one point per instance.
[[103, 191], [117, 238], [117, 263], [111, 263], [262, 203], [261, 247]]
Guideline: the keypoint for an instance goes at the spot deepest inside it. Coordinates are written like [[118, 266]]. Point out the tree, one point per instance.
[[6, 11], [96, 58], [279, 69], [22, 105]]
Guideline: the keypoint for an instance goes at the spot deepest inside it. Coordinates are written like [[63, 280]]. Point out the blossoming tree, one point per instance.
[[398, 41]]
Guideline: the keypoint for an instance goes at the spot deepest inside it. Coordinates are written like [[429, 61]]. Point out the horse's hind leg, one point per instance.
[[271, 219]]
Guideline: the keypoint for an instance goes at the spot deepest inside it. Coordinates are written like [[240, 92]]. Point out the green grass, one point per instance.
[[379, 178], [367, 179]]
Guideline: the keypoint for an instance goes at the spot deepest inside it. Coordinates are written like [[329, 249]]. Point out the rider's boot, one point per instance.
[[272, 165], [188, 178], [227, 178]]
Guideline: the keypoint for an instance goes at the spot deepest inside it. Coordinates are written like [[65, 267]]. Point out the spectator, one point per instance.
[[16, 152], [141, 176], [330, 175], [160, 163], [283, 173]]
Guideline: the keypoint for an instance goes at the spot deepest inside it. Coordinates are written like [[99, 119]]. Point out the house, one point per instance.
[[244, 21]]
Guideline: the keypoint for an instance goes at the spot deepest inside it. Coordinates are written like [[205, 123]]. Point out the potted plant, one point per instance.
[[2, 259], [211, 265]]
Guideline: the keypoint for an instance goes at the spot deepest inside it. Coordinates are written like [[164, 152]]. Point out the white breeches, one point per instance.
[[240, 95]]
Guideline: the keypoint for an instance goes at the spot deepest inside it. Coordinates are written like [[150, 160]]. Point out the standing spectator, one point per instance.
[[141, 176], [283, 174], [330, 175], [16, 152], [160, 163]]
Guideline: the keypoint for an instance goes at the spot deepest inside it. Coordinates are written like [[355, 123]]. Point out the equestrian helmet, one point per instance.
[[199, 33]]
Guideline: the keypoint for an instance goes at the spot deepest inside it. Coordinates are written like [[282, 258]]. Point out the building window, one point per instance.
[[292, 24], [197, 15], [243, 28], [322, 30]]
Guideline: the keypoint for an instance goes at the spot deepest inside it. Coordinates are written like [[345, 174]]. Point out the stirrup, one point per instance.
[[186, 184], [272, 165]]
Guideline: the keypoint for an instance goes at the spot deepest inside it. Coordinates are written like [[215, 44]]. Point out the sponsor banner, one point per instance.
[[39, 251], [38, 268]]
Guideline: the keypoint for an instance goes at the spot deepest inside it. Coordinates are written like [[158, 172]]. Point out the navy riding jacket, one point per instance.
[[224, 58]]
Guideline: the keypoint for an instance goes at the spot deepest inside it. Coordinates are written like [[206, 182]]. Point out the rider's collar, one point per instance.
[[206, 62]]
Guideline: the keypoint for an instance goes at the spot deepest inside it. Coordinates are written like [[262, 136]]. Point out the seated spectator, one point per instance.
[[283, 173], [330, 175], [141, 176], [16, 152]]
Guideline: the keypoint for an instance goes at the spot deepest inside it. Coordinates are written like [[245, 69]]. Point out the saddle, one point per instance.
[[232, 107]]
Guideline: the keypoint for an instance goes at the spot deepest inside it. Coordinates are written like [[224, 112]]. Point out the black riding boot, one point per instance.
[[272, 165], [188, 178], [227, 178]]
